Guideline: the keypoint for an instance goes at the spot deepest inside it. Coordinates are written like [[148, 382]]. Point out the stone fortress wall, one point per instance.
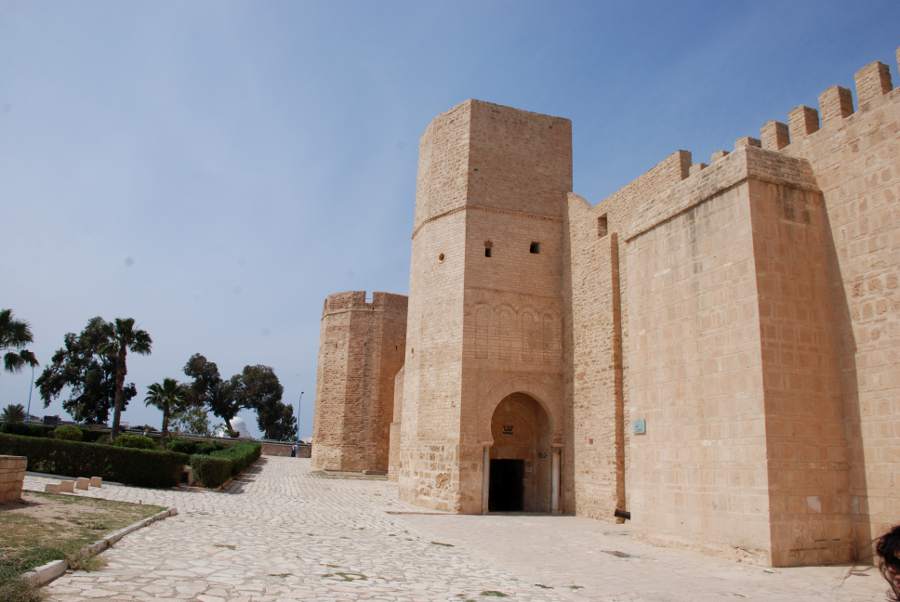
[[713, 349], [361, 349]]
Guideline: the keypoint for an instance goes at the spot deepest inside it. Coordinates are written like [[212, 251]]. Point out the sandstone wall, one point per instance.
[[595, 314], [361, 349], [430, 432], [395, 438], [855, 155], [817, 234]]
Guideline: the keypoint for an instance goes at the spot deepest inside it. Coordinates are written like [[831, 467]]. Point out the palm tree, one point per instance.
[[167, 397], [13, 413], [126, 339], [15, 334]]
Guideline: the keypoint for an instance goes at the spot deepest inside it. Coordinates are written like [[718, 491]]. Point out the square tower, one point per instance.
[[483, 380]]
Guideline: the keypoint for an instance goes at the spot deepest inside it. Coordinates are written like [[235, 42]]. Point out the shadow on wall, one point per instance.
[[858, 500]]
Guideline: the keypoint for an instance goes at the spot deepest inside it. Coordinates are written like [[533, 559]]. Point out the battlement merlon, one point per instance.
[[746, 162], [872, 82], [493, 157], [356, 300]]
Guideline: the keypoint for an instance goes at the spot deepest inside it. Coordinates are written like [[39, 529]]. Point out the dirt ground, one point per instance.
[[44, 527]]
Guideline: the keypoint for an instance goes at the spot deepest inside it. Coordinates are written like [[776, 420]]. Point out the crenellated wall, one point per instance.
[[807, 208], [361, 349]]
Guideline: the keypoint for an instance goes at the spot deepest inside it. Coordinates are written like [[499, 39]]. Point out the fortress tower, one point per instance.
[[483, 384], [360, 351], [710, 352]]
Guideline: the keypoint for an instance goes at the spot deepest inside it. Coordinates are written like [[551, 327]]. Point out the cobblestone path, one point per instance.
[[283, 533]]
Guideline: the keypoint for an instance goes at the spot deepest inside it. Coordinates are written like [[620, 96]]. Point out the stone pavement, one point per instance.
[[283, 533]]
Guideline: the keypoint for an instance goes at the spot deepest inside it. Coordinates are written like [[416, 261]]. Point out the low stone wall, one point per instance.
[[12, 474], [271, 448]]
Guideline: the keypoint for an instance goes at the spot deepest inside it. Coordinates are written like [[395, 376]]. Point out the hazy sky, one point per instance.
[[214, 169]]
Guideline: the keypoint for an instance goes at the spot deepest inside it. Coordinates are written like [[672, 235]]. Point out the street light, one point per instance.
[[30, 388], [299, 405]]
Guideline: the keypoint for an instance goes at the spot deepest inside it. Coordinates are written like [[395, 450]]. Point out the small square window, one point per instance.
[[488, 245], [602, 226], [535, 248]]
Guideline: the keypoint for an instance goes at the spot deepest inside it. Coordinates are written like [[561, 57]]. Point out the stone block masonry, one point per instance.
[[360, 352], [712, 350], [12, 474]]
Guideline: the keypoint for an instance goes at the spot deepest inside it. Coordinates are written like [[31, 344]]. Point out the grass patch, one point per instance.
[[492, 593], [45, 527], [18, 590]]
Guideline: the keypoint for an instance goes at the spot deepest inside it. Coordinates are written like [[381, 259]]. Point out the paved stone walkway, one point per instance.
[[282, 533]]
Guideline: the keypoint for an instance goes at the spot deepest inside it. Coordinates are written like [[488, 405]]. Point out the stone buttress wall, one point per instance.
[[361, 349], [855, 157], [807, 448], [697, 477]]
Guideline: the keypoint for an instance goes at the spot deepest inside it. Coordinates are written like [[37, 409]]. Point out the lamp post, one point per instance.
[[30, 388], [299, 406]]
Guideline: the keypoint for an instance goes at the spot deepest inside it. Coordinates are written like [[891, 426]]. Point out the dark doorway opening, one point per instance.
[[507, 486]]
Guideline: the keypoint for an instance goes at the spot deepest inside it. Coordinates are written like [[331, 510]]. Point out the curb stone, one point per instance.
[[44, 574]]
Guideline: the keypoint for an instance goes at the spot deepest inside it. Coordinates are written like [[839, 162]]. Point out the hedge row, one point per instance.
[[241, 455], [146, 468], [43, 430], [211, 472], [190, 446], [214, 469]]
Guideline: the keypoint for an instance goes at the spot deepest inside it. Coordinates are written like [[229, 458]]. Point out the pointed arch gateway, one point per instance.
[[521, 467]]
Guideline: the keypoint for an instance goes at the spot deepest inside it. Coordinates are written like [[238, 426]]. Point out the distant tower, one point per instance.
[[361, 348], [483, 384]]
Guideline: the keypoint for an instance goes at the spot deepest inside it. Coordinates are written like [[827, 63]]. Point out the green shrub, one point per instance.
[[94, 436], [68, 432], [208, 447], [134, 441], [26, 430], [148, 468], [241, 455], [211, 471], [183, 446], [187, 446]]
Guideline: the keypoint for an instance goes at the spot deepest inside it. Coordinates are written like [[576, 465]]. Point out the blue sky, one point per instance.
[[214, 169]]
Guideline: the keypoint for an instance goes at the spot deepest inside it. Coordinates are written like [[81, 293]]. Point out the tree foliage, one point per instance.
[[261, 391], [193, 419], [256, 387], [84, 370], [14, 336], [126, 338], [279, 425], [221, 397], [168, 397], [14, 413]]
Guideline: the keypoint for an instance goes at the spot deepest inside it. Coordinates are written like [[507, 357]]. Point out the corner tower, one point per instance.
[[361, 349], [483, 377]]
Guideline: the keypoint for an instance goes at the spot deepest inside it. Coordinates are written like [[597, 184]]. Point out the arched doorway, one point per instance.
[[520, 458]]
